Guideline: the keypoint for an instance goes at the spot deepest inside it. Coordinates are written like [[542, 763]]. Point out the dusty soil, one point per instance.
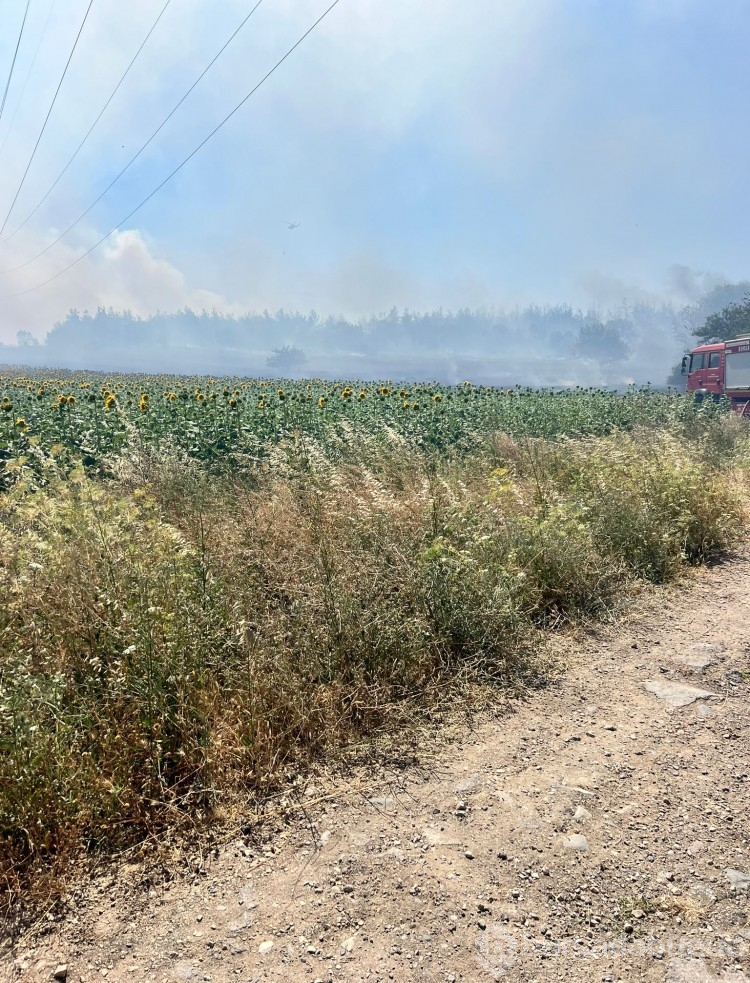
[[597, 833]]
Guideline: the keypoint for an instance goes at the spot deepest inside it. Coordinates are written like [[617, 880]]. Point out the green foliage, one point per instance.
[[652, 505], [229, 425], [731, 322]]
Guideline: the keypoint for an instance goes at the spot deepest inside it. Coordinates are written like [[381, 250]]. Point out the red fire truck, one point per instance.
[[722, 369]]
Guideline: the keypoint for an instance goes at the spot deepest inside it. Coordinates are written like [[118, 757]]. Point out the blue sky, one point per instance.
[[433, 153]]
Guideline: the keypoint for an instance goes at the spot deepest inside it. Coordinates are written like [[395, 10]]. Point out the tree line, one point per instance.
[[554, 344]]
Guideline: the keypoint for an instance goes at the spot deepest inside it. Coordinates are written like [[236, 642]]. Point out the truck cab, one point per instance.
[[704, 367], [721, 369]]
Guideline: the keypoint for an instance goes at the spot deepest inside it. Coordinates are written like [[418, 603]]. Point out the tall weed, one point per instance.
[[170, 641]]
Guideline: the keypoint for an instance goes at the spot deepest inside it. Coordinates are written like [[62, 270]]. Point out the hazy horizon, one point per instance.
[[406, 154], [540, 345]]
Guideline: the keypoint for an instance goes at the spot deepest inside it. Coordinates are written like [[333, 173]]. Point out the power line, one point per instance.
[[179, 167], [90, 131], [49, 113], [15, 55], [28, 76], [135, 156]]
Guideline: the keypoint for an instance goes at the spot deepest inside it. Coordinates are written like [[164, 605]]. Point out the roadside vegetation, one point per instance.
[[200, 599]]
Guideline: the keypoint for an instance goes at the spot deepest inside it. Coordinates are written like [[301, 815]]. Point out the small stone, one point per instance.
[[677, 694], [265, 947], [638, 913], [468, 854], [581, 814], [696, 847], [575, 790], [699, 658], [707, 648], [348, 889], [577, 842], [482, 924], [468, 784], [739, 880], [61, 972]]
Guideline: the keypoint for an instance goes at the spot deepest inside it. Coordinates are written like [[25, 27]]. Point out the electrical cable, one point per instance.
[[15, 55], [49, 113], [179, 167], [135, 157], [28, 76], [90, 131]]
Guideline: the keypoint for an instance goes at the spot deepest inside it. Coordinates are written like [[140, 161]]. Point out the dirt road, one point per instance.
[[599, 833]]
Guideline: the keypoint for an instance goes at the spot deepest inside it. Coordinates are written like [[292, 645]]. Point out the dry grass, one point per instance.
[[170, 641]]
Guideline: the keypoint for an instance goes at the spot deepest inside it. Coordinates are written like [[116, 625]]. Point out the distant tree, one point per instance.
[[603, 342], [693, 316], [25, 339], [288, 358], [731, 322]]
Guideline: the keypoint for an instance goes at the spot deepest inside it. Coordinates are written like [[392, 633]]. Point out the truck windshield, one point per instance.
[[738, 370]]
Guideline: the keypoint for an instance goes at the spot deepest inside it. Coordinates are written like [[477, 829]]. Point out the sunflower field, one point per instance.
[[221, 422]]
